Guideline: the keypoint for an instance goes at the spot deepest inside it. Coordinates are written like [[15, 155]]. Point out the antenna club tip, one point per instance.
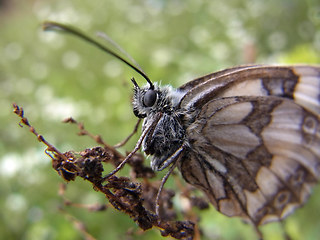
[[50, 25], [46, 25]]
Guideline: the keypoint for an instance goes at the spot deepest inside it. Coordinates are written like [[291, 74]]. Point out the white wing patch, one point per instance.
[[246, 88], [307, 90], [219, 136], [231, 114]]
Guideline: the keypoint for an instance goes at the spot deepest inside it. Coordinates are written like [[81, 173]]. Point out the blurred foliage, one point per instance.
[[56, 76]]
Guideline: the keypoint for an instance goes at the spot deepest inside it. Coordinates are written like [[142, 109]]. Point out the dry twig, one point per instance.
[[137, 200]]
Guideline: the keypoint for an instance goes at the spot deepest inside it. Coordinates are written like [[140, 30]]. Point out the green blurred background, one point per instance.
[[54, 76]]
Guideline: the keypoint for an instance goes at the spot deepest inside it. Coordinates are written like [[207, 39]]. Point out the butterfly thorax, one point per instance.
[[159, 108]]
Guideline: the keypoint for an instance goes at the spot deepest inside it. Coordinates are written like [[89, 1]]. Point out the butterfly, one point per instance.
[[248, 136]]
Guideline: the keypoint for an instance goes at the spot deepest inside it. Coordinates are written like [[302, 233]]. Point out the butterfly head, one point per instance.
[[144, 99], [153, 98]]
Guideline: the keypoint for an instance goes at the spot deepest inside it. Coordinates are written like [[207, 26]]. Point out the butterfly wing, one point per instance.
[[300, 83], [255, 155], [192, 84]]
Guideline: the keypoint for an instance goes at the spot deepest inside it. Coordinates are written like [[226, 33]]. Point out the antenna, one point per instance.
[[48, 25], [104, 36]]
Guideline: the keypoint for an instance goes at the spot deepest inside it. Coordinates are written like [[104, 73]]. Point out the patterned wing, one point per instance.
[[191, 84], [300, 83], [255, 157]]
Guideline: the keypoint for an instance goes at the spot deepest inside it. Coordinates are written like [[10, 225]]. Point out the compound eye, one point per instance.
[[149, 98]]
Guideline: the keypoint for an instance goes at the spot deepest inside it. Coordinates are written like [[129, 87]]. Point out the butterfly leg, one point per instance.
[[146, 129], [163, 181], [174, 158], [136, 148], [123, 142]]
